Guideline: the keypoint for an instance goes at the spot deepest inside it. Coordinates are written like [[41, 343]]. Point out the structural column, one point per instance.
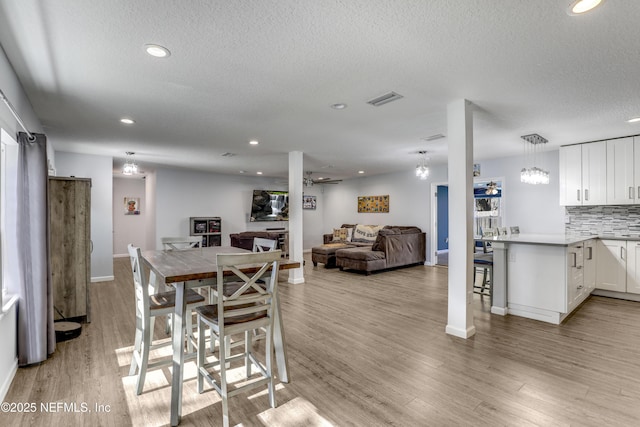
[[296, 275], [461, 239]]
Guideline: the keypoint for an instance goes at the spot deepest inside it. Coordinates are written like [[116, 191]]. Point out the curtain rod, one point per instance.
[[15, 114]]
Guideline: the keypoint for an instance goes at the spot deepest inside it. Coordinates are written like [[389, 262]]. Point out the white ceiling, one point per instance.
[[269, 70]]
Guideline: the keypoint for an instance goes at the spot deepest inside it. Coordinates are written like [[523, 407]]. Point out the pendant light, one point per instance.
[[422, 170], [130, 167], [533, 174]]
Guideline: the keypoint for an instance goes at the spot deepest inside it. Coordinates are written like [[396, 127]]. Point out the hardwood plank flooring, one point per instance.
[[363, 351]]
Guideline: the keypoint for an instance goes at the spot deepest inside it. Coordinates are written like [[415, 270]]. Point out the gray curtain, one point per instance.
[[36, 334]]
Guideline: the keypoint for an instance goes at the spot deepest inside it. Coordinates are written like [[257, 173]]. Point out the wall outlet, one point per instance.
[[512, 257], [567, 219]]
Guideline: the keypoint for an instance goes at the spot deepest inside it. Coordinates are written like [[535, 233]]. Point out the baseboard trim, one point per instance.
[[461, 333], [502, 311], [8, 380], [102, 279]]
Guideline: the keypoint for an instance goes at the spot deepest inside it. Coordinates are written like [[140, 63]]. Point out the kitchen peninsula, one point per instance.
[[542, 277]]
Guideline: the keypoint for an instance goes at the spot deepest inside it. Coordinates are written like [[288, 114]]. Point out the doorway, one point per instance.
[[489, 212]]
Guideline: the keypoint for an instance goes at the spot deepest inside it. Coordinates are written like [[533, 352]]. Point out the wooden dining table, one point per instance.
[[192, 268]]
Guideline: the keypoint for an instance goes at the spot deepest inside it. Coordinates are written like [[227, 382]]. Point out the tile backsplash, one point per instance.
[[615, 221]]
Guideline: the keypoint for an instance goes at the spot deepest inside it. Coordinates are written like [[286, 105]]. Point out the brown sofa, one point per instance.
[[395, 246], [244, 240]]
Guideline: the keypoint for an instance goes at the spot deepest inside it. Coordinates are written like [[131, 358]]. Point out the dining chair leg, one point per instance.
[[223, 383], [247, 352], [200, 357], [144, 359], [136, 347], [269, 350], [189, 330]]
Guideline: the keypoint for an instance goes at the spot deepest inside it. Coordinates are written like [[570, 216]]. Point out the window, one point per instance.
[[8, 169]]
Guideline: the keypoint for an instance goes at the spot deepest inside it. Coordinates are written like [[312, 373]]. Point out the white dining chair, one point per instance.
[[261, 244], [241, 307], [176, 244], [148, 305], [183, 242]]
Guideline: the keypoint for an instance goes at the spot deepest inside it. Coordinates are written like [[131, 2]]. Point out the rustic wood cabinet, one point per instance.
[[70, 246]]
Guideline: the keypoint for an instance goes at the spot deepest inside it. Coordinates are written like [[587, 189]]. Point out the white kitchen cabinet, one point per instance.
[[583, 174], [621, 186], [575, 276], [611, 265], [589, 255], [633, 267]]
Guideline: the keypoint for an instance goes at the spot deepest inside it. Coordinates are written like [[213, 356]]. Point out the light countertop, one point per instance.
[[540, 239]]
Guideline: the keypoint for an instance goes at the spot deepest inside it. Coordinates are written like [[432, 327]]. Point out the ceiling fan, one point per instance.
[[309, 182], [492, 189]]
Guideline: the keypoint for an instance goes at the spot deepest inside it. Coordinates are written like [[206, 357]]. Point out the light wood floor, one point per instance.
[[366, 351]]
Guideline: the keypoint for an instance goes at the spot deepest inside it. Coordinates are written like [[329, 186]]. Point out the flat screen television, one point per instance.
[[267, 205]]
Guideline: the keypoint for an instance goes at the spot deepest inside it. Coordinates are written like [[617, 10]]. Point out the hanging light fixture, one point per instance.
[[422, 170], [130, 167], [533, 175]]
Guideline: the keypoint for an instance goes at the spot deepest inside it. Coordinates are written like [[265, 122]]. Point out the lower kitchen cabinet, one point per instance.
[[611, 270], [590, 266], [633, 267], [618, 266]]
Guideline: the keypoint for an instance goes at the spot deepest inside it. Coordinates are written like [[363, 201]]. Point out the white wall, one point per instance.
[[535, 208], [150, 207], [128, 228], [181, 194], [312, 219], [100, 170], [409, 200], [12, 89]]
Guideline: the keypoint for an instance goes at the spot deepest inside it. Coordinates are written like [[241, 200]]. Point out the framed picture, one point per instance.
[[308, 202], [132, 205], [476, 169], [373, 204]]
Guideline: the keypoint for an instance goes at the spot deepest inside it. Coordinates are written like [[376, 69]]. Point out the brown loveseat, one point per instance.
[[244, 240], [394, 246]]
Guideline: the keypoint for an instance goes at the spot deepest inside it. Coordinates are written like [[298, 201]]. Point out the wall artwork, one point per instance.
[[132, 205], [308, 202], [373, 204]]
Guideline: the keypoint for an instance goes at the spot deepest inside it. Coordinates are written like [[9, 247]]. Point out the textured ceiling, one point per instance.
[[270, 70]]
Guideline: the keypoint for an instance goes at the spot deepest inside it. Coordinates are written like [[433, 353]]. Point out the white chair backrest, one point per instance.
[[260, 244], [184, 242], [140, 283], [248, 298]]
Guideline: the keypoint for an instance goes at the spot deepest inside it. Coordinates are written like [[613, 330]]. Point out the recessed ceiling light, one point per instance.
[[360, 171], [157, 50], [338, 106], [242, 171], [127, 121], [253, 142], [258, 173], [634, 120], [578, 7]]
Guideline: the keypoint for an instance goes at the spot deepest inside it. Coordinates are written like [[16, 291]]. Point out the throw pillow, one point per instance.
[[340, 235], [366, 233]]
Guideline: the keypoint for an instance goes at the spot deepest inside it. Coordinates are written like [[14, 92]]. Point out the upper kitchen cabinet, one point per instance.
[[583, 174], [623, 171]]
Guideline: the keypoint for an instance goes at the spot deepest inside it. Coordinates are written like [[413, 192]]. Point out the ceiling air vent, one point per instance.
[[227, 154], [384, 99], [434, 137]]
